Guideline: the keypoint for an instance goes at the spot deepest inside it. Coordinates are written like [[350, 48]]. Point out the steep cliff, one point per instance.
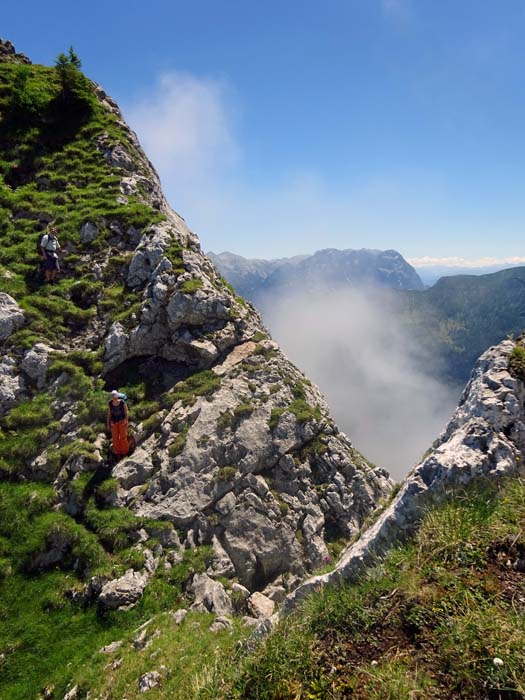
[[429, 601], [235, 447]]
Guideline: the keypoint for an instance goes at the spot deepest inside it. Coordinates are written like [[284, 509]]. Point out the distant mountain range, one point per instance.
[[455, 320], [324, 270], [430, 274]]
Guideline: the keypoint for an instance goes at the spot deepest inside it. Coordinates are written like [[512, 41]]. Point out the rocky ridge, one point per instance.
[[237, 451], [485, 439], [328, 270], [8, 53]]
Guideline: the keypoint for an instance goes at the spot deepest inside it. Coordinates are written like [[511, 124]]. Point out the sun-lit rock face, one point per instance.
[[234, 445]]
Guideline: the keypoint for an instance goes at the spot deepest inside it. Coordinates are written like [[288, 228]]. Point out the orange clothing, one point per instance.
[[119, 434]]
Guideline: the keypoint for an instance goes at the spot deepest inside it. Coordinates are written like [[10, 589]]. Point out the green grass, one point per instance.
[[427, 623], [243, 410], [113, 526], [226, 473], [23, 431], [29, 527], [303, 411], [50, 166], [225, 420], [178, 443], [195, 561], [275, 417], [56, 457], [49, 641], [202, 383], [191, 286], [188, 651], [30, 414], [517, 362], [300, 407]]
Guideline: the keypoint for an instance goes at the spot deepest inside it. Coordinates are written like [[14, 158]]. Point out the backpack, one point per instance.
[[39, 242]]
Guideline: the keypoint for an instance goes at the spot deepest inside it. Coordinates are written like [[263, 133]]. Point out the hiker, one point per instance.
[[117, 423], [49, 247]]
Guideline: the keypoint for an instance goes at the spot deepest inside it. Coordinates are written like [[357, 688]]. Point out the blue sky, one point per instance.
[[282, 127]]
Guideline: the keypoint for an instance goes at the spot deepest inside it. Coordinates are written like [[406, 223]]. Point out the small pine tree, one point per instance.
[[68, 67], [74, 60]]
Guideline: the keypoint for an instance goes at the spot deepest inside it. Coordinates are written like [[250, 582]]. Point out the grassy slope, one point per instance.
[[428, 623], [46, 639], [52, 169], [460, 317]]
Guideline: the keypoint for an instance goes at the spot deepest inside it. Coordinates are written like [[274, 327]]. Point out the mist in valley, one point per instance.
[[377, 380]]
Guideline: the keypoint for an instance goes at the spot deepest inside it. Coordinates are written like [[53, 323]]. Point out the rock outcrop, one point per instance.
[[484, 439], [11, 316], [252, 460], [8, 53], [238, 451], [123, 593]]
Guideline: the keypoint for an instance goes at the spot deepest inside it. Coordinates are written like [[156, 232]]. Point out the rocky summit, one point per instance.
[[330, 270], [235, 448]]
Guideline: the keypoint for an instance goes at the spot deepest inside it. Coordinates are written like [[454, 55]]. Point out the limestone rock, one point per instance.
[[245, 456], [210, 595], [8, 53], [118, 157], [275, 593], [179, 616], [144, 639], [112, 647], [167, 536], [149, 260], [35, 363], [11, 316], [73, 693], [134, 470], [124, 592], [221, 564], [221, 623], [88, 232], [116, 344], [248, 621], [260, 606], [149, 680], [12, 385]]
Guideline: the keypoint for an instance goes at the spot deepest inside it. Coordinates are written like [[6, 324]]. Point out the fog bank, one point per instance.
[[375, 378]]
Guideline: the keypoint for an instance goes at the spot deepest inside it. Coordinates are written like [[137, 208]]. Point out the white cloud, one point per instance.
[[185, 126], [373, 373], [188, 126], [455, 261]]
